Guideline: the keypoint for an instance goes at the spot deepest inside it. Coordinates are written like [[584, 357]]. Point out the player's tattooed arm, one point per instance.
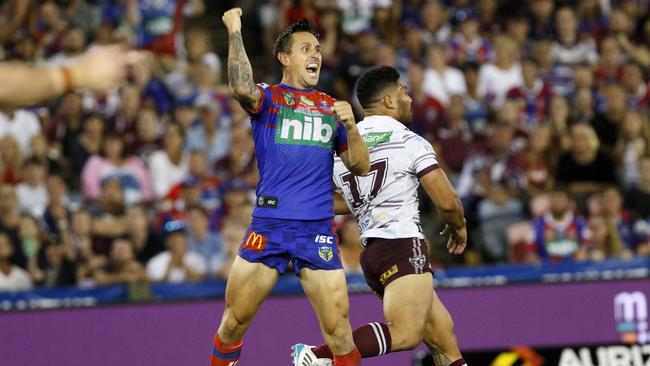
[[240, 72]]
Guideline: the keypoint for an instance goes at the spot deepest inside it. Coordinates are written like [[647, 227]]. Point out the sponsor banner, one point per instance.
[[603, 355]]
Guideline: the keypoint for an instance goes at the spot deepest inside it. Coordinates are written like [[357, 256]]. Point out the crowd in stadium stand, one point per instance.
[[538, 111]]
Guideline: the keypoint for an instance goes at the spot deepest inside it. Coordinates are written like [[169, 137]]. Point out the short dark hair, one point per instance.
[[373, 81], [283, 42]]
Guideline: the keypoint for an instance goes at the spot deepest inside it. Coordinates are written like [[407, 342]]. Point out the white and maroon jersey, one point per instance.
[[385, 202]]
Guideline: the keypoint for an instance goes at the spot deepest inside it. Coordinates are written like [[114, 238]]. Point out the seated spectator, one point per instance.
[[121, 266], [635, 86], [109, 216], [147, 135], [633, 143], [426, 111], [146, 241], [176, 264], [585, 168], [206, 242], [609, 68], [32, 192], [583, 110], [42, 152], [637, 200], [212, 134], [568, 49], [476, 113], [200, 188], [619, 218], [240, 163], [453, 138], [10, 160], [169, 165], [350, 246], [21, 124], [534, 96], [87, 143], [607, 124], [606, 242], [495, 79], [539, 160], [10, 222], [559, 235], [57, 213], [81, 238], [467, 45], [115, 164], [57, 266], [441, 81], [123, 122], [12, 277]]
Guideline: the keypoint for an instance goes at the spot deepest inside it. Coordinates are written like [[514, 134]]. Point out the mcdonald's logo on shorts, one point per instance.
[[255, 242]]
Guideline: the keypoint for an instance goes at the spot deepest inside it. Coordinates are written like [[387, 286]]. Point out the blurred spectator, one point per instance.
[[568, 49], [57, 266], [169, 165], [435, 22], [453, 138], [426, 111], [66, 122], [583, 108], [637, 199], [413, 48], [541, 18], [559, 235], [10, 160], [86, 144], [46, 156], [31, 192], [212, 134], [20, 124], [176, 264], [539, 160], [12, 277], [57, 214], [607, 123], [354, 63], [148, 134], [533, 96], [109, 216], [81, 235], [495, 79], [146, 241], [10, 222], [123, 122], [115, 164], [72, 47], [620, 219], [586, 168], [240, 163], [476, 112], [158, 23], [606, 242], [357, 15], [635, 86], [608, 69], [121, 266], [49, 27], [350, 246], [633, 143], [467, 45], [441, 82], [206, 242]]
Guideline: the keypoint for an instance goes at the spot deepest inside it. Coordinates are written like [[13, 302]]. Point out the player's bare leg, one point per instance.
[[407, 302], [440, 337], [248, 285], [327, 292]]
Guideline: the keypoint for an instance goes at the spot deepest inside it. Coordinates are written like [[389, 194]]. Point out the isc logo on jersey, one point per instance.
[[297, 128]]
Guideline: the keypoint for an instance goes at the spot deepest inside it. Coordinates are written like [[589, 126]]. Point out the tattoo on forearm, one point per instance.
[[240, 72]]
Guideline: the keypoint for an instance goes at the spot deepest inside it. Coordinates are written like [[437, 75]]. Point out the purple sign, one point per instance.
[[174, 334]]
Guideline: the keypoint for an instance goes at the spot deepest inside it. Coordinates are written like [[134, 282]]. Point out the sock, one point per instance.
[[459, 362], [372, 339], [351, 359], [225, 354]]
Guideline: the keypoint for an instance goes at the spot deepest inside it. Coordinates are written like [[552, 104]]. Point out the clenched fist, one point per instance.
[[232, 20], [344, 111]]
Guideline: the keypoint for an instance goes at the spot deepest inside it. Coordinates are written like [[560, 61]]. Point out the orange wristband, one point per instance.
[[67, 78]]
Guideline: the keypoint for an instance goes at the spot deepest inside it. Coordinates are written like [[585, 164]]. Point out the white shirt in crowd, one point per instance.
[[164, 173], [385, 202], [22, 127], [157, 266], [494, 83], [31, 199], [17, 279], [584, 52], [442, 86]]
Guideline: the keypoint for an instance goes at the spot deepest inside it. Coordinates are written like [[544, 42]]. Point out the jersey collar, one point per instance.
[[382, 122]]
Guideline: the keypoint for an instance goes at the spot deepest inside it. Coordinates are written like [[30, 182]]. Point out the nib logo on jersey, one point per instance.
[[297, 128], [631, 314]]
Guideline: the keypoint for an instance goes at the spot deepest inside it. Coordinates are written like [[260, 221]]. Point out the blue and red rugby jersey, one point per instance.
[[296, 134]]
